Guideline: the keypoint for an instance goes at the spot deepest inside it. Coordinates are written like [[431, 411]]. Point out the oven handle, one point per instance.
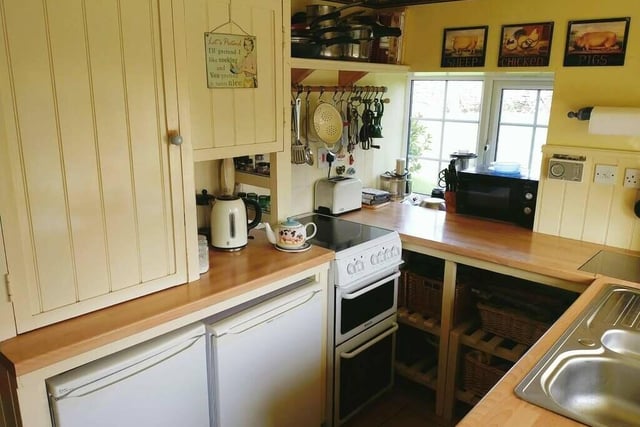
[[357, 351], [371, 287]]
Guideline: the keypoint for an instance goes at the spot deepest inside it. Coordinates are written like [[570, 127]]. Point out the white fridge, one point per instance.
[[159, 383], [267, 363]]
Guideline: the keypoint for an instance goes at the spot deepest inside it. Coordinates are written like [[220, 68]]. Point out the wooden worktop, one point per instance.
[[516, 247], [231, 275], [490, 241]]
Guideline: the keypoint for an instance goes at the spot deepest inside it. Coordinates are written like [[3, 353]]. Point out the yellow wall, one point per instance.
[[575, 87]]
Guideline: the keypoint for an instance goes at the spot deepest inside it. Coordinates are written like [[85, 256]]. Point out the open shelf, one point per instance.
[[423, 372], [349, 72], [416, 320], [472, 335], [254, 179]]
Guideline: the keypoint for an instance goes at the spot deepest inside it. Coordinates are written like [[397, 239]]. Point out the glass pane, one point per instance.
[[427, 100], [518, 106], [459, 136], [424, 175], [536, 158], [544, 107], [464, 100], [513, 144], [424, 138]]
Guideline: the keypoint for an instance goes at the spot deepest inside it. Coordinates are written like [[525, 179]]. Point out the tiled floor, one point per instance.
[[406, 405]]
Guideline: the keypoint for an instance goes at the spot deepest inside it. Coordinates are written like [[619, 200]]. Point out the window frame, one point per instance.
[[486, 143]]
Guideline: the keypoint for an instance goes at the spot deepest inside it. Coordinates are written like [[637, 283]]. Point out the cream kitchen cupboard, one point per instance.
[[93, 210], [227, 122]]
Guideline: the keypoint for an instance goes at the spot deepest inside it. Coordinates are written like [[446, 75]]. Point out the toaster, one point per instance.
[[338, 195]]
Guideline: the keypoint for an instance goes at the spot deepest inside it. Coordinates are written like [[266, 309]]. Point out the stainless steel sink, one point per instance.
[[591, 374]]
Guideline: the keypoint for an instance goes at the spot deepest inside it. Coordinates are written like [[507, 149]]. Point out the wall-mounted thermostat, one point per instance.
[[568, 170]]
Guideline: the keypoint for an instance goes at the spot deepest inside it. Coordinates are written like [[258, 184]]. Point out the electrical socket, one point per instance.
[[605, 174], [632, 178]]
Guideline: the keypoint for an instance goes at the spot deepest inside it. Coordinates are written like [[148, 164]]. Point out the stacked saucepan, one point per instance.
[[323, 31]]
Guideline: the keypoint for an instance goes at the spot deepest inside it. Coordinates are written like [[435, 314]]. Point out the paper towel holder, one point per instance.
[[582, 114]]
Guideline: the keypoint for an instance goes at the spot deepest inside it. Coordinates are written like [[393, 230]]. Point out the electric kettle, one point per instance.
[[229, 225]]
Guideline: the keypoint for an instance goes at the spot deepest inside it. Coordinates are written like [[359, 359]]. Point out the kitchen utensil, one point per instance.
[[308, 153], [227, 177], [229, 225], [327, 123], [290, 234], [297, 149]]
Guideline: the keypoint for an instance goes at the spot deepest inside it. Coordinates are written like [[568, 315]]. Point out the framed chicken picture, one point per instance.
[[464, 47], [525, 45], [596, 42]]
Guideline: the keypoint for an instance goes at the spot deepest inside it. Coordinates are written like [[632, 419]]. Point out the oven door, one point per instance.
[[363, 369], [365, 303]]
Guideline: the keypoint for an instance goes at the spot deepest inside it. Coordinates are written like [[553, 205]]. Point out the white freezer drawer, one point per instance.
[[267, 363], [159, 383]]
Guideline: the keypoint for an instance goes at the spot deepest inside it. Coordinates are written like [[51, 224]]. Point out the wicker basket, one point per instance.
[[481, 372], [424, 295], [511, 323]]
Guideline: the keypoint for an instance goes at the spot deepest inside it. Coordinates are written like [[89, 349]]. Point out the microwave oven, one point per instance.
[[504, 197]]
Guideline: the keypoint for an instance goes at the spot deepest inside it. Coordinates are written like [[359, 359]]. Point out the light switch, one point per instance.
[[605, 174]]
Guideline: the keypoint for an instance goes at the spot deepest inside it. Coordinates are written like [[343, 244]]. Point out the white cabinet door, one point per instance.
[[98, 212], [228, 122]]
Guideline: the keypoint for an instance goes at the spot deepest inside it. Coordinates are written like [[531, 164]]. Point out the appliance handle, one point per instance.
[[280, 311], [371, 287], [357, 351], [127, 371]]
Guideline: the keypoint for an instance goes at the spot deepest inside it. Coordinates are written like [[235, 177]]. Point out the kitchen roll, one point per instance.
[[615, 121], [400, 166]]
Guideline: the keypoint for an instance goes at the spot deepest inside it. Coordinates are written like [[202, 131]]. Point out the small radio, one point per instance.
[[568, 170]]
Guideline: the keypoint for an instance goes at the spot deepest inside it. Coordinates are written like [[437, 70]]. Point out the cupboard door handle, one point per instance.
[[357, 351], [175, 138]]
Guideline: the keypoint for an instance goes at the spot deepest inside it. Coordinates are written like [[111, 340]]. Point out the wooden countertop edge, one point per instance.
[[23, 354], [501, 406]]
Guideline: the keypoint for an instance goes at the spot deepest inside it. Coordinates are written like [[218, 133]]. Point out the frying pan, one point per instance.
[[319, 20]]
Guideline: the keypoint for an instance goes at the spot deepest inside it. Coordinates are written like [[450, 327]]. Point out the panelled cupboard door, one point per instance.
[[228, 122], [97, 184]]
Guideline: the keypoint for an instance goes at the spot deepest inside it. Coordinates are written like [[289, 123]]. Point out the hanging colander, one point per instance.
[[327, 123]]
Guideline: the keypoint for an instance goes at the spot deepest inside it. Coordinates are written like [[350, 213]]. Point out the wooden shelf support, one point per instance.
[[348, 78]]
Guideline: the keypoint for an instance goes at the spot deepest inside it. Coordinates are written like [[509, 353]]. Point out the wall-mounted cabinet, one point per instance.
[[227, 122], [96, 210]]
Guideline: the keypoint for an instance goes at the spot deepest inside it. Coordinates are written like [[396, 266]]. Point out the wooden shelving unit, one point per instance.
[[416, 320], [349, 72]]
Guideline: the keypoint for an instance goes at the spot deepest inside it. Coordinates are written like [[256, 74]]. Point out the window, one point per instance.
[[498, 119]]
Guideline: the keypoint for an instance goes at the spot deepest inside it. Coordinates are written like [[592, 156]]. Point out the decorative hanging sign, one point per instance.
[[231, 60]]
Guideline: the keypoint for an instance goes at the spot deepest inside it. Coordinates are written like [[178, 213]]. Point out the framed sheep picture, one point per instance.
[[596, 42], [464, 47]]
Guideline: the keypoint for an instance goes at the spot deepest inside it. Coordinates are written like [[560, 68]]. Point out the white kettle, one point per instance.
[[229, 225]]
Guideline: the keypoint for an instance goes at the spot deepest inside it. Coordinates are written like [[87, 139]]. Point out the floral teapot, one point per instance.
[[290, 234]]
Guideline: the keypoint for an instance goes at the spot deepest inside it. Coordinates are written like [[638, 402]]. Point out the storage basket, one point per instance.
[[511, 323], [424, 296], [481, 372]]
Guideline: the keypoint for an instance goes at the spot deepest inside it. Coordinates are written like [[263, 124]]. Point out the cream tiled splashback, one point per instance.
[[589, 211]]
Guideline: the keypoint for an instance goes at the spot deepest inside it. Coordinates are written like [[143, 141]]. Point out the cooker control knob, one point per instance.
[[527, 210], [351, 268], [359, 265], [395, 251], [380, 256], [374, 259], [387, 254], [528, 195]]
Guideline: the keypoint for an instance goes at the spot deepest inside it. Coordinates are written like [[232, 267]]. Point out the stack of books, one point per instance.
[[375, 197]]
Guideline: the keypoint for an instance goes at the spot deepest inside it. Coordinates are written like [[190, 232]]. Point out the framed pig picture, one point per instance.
[[464, 47], [525, 45], [596, 42]]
